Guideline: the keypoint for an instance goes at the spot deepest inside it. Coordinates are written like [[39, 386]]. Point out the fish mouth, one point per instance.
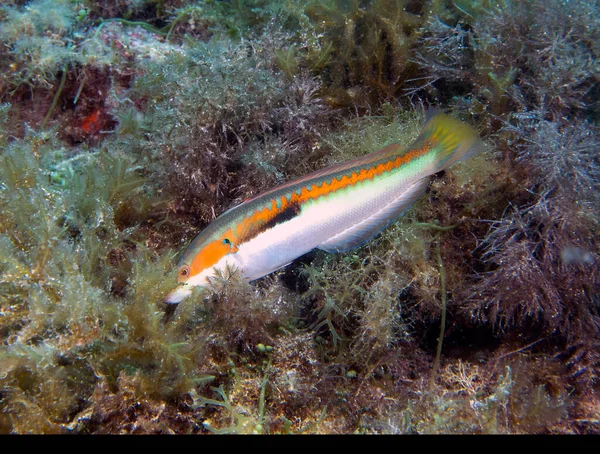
[[178, 294]]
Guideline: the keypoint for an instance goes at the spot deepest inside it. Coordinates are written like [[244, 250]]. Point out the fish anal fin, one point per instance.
[[367, 228]]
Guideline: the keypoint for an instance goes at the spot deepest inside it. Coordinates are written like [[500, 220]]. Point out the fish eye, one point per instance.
[[184, 271], [232, 246]]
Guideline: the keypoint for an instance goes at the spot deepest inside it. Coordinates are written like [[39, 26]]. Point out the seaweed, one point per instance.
[[530, 282], [361, 50], [561, 156], [38, 41], [513, 56]]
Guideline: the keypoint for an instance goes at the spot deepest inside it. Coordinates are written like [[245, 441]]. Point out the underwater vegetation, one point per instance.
[[126, 127]]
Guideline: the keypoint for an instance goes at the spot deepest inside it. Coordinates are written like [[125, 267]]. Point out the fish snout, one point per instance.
[[178, 294]]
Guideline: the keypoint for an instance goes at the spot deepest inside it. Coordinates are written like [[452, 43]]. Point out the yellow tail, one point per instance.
[[450, 140]]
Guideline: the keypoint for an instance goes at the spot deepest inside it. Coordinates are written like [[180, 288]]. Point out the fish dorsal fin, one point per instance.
[[364, 230]]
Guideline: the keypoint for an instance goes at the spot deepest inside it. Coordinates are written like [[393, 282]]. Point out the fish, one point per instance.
[[335, 209]]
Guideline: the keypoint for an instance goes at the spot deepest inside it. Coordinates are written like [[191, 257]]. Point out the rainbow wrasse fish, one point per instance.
[[335, 209]]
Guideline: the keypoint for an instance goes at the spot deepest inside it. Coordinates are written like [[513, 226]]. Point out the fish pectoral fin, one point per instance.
[[366, 229]]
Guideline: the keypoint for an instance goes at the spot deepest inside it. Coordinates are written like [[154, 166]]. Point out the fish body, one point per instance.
[[335, 209]]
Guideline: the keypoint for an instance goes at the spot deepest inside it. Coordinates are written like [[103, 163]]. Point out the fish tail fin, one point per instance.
[[450, 140]]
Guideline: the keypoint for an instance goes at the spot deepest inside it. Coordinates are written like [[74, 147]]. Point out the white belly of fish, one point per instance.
[[336, 222]]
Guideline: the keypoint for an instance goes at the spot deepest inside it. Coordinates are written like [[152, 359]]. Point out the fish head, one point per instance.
[[213, 250]]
